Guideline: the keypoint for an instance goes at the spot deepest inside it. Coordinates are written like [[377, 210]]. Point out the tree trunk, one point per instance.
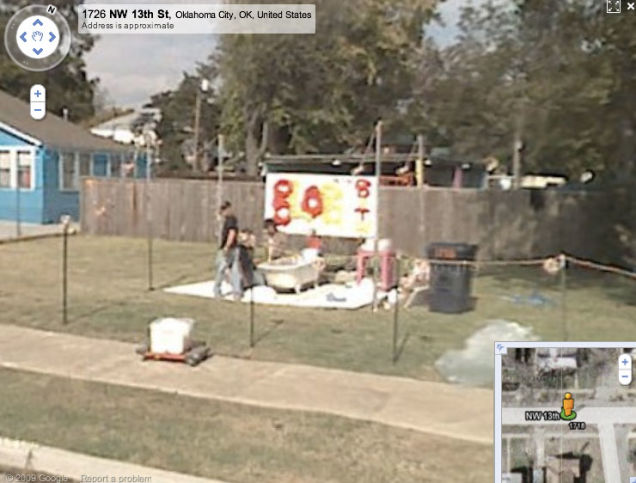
[[251, 148], [255, 127]]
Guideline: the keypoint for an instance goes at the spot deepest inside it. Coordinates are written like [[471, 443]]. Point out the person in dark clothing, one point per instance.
[[228, 257], [229, 233], [249, 273]]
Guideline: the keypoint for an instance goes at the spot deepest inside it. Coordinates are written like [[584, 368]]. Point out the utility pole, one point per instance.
[[518, 146], [201, 89], [516, 157], [197, 127], [419, 167]]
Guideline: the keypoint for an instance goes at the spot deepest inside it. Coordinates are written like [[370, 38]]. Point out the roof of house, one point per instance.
[[52, 130], [343, 164], [128, 120], [119, 122]]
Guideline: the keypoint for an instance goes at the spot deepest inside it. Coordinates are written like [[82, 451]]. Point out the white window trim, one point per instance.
[[13, 167]]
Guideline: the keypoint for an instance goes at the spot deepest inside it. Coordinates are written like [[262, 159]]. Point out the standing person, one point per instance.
[[276, 241], [227, 256], [314, 242]]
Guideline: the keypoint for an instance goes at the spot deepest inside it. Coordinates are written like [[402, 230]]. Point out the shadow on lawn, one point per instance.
[[266, 333], [96, 310], [401, 347]]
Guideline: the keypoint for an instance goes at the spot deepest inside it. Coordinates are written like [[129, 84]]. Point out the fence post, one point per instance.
[[563, 288], [66, 220], [252, 316], [18, 209], [149, 218], [376, 237], [396, 310]]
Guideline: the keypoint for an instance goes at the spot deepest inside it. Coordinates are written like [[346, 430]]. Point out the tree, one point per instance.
[[67, 84], [176, 127], [320, 92], [561, 74]]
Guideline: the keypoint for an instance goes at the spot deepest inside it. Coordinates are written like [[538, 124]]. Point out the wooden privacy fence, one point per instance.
[[505, 224], [184, 210]]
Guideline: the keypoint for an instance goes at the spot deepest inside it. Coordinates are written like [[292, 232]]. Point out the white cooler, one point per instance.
[[170, 336]]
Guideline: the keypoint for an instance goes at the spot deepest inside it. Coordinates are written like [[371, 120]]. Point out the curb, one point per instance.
[[81, 467]]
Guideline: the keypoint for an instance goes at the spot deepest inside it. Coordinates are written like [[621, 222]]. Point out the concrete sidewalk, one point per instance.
[[436, 408]]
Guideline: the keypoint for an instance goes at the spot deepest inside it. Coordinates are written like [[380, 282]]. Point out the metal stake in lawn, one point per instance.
[[148, 211], [376, 254], [66, 221], [18, 218], [395, 310], [252, 316], [564, 317]]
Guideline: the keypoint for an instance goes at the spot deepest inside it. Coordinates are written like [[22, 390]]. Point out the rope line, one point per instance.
[[339, 259], [601, 267]]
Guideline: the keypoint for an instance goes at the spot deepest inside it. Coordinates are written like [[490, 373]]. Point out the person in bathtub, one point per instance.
[[276, 242]]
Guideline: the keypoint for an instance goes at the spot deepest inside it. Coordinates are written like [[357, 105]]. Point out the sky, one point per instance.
[[133, 67]]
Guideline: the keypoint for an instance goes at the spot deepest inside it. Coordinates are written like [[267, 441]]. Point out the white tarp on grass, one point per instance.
[[329, 296], [474, 364]]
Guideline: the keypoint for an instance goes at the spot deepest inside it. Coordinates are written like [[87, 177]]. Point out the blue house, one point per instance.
[[42, 162]]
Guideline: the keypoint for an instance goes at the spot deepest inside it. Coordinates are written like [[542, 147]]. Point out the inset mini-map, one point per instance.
[[568, 414]]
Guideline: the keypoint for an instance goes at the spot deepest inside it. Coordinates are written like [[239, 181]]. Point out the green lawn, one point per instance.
[[227, 441], [108, 298]]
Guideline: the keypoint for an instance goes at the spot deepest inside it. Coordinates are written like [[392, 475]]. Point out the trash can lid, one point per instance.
[[452, 251]]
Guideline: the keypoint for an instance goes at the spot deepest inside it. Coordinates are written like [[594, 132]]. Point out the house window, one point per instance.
[[5, 169], [25, 169], [85, 168], [68, 178], [129, 166], [115, 166], [100, 165]]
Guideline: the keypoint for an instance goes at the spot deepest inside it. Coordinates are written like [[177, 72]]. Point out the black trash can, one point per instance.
[[450, 284]]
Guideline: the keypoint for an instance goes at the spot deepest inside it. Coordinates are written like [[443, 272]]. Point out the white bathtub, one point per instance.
[[291, 273]]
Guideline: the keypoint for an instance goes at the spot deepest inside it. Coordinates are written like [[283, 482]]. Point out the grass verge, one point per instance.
[[230, 442], [108, 298]]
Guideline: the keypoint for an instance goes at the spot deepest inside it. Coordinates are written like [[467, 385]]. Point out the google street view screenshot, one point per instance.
[[360, 241]]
